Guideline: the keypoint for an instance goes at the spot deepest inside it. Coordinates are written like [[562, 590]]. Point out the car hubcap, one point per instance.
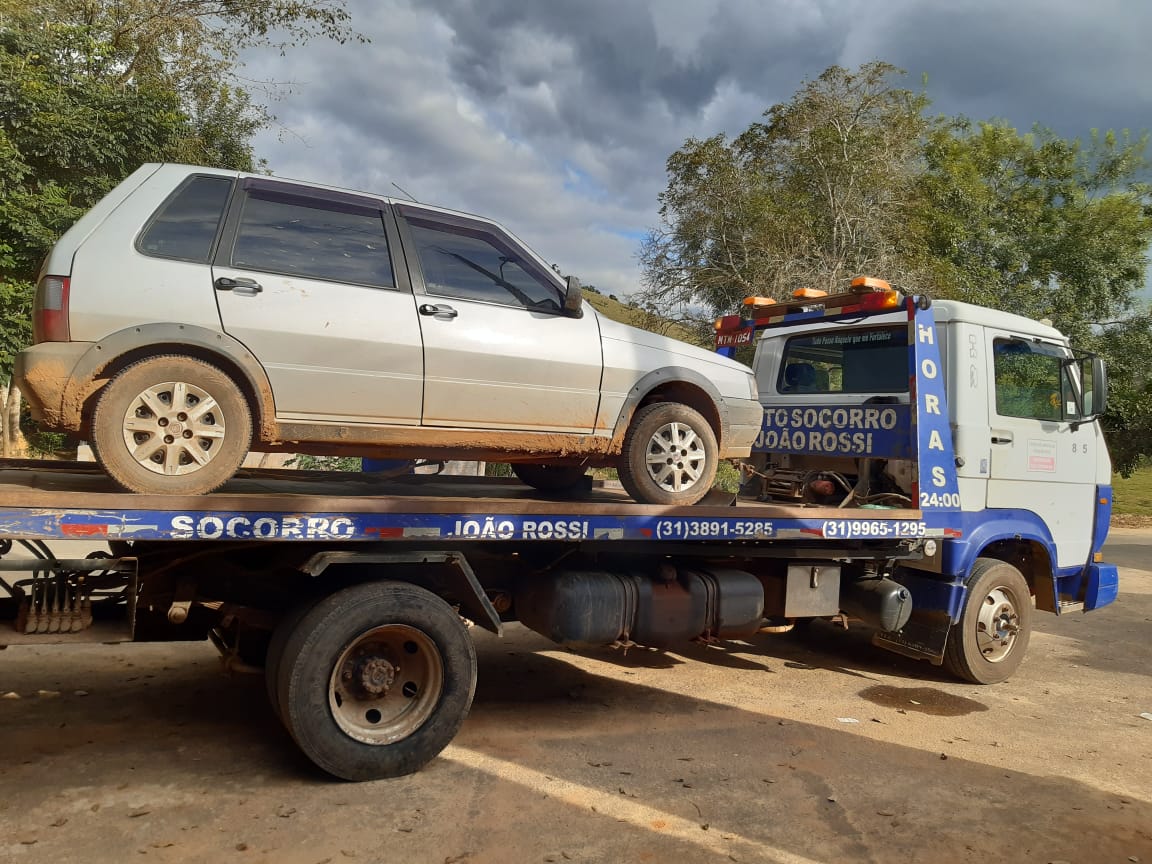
[[173, 428], [675, 457], [386, 684], [997, 625]]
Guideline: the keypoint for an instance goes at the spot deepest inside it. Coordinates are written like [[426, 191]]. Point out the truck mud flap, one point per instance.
[[922, 638]]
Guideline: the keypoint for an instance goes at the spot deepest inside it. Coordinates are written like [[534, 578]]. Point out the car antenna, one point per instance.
[[406, 192]]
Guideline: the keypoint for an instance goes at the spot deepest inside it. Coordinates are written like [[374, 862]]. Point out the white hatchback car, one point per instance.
[[195, 314]]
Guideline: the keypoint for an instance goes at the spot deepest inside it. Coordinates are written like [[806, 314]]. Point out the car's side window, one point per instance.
[[473, 263], [314, 239], [185, 226]]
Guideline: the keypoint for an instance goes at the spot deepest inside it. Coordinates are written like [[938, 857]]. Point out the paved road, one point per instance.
[[780, 750]]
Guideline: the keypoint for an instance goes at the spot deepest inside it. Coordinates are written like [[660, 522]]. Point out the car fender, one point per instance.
[[144, 340], [668, 375]]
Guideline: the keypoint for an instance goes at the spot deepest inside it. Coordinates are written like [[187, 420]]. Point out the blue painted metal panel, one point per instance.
[[1103, 517], [296, 526], [1103, 586], [865, 431], [938, 491]]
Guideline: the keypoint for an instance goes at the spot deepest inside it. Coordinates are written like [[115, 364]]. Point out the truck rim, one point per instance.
[[173, 428], [997, 624], [675, 458], [386, 684]]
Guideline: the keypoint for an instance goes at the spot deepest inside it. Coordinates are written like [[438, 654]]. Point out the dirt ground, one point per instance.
[[791, 750]]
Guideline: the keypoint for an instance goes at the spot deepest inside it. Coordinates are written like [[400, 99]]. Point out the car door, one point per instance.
[[1042, 459], [305, 280], [499, 352]]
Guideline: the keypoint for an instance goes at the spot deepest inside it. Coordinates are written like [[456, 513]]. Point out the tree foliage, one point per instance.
[[814, 194], [91, 89], [851, 177], [1034, 223]]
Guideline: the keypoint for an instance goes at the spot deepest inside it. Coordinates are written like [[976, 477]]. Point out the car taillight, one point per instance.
[[50, 310]]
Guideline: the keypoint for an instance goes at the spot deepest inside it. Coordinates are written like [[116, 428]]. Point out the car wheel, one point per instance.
[[171, 425], [670, 455], [557, 479], [988, 642]]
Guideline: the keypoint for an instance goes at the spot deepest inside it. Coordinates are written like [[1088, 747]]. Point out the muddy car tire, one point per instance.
[[171, 425], [988, 643], [670, 455], [376, 680], [553, 479]]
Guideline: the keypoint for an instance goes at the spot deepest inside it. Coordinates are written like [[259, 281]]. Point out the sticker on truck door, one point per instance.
[[1041, 455]]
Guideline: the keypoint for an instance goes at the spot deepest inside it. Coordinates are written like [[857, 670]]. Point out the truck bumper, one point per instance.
[[1103, 586], [745, 418], [42, 373]]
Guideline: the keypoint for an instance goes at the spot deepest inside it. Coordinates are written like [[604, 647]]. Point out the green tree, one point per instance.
[[849, 177], [815, 194], [90, 89], [1049, 228], [1034, 223]]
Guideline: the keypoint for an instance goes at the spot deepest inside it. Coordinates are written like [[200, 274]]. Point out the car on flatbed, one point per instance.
[[195, 314]]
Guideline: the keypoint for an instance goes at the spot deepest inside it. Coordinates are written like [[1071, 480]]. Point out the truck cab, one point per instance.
[[984, 420]]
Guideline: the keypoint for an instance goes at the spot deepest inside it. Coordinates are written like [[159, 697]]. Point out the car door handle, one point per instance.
[[1002, 438], [243, 287], [439, 310]]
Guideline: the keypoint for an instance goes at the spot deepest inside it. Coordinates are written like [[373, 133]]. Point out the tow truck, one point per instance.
[[354, 593]]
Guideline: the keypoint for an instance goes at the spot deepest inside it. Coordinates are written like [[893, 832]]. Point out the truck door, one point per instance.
[[498, 351], [304, 278], [1042, 460]]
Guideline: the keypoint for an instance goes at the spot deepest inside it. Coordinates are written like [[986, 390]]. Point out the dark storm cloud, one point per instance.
[[1069, 66], [557, 116]]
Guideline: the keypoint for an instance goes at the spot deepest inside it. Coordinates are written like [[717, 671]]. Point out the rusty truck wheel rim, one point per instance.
[[675, 457], [386, 684], [173, 428]]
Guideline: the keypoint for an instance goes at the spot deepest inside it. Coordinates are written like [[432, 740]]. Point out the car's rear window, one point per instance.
[[185, 226]]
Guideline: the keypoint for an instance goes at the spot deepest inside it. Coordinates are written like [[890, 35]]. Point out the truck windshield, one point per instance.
[[871, 360]]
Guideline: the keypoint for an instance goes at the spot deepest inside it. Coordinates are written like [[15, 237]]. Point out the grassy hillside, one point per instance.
[[1133, 497], [626, 314]]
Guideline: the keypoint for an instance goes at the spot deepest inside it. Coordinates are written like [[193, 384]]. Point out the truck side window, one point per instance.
[[873, 360], [1032, 380], [473, 263], [314, 239], [185, 226]]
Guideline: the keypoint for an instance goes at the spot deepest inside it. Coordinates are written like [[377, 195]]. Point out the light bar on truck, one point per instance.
[[758, 302], [864, 284], [866, 294]]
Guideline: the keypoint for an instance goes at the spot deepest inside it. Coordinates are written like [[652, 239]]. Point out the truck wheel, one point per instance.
[[280, 634], [171, 425], [557, 479], [669, 456], [376, 679], [991, 638]]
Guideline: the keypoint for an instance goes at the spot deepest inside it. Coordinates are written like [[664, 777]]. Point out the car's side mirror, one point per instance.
[[573, 299]]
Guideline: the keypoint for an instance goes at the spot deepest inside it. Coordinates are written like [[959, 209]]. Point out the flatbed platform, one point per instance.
[[70, 500]]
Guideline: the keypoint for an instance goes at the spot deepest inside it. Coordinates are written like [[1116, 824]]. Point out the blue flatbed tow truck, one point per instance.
[[353, 592]]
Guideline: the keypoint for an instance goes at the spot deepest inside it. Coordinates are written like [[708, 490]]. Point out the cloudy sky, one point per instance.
[[556, 116]]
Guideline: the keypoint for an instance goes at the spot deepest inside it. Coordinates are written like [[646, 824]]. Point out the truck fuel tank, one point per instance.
[[594, 607]]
